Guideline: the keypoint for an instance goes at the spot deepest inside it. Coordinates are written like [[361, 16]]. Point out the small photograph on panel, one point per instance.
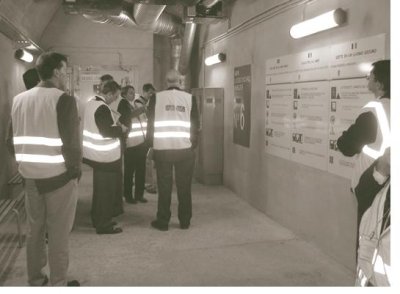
[[333, 92], [267, 94], [295, 105], [333, 106]]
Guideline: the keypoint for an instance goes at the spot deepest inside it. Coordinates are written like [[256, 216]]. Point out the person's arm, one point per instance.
[[9, 139], [68, 127], [194, 123], [150, 121], [359, 134], [104, 122]]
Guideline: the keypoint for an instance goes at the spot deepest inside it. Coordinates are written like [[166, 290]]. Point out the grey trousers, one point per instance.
[[53, 213]]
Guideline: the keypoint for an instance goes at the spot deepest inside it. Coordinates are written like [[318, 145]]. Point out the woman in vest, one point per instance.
[[102, 151]]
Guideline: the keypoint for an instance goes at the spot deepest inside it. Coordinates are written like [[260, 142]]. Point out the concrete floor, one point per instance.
[[229, 244]]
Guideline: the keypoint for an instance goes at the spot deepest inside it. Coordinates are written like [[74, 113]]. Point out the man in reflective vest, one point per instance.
[[135, 119], [369, 136], [102, 151], [47, 147], [173, 124]]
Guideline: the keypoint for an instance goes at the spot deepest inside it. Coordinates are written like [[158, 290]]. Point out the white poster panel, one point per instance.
[[312, 65], [310, 123], [279, 70], [354, 58], [278, 122], [347, 99]]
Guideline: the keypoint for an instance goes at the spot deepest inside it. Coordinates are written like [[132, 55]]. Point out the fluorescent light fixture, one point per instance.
[[328, 20], [217, 58], [23, 55]]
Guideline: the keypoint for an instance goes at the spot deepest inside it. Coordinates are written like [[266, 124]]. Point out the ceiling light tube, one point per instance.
[[328, 20], [217, 58], [23, 55]]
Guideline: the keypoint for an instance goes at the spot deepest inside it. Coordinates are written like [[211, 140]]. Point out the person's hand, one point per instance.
[[124, 129]]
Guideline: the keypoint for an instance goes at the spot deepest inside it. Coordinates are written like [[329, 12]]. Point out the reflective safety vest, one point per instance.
[[172, 120], [37, 141], [137, 134], [381, 110], [95, 146], [373, 264]]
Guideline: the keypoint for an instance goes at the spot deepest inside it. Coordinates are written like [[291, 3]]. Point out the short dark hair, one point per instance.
[[48, 62], [106, 77], [125, 90], [381, 71], [110, 86], [147, 87], [31, 78]]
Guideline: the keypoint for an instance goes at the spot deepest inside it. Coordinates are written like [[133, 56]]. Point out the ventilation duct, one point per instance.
[[122, 20], [154, 18], [165, 2], [209, 3], [187, 46], [176, 49], [147, 15]]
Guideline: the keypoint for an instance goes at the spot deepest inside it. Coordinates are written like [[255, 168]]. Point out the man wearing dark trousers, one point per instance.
[[102, 151], [173, 124], [135, 119]]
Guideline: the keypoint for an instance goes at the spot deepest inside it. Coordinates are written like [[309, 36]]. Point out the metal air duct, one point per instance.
[[187, 46]]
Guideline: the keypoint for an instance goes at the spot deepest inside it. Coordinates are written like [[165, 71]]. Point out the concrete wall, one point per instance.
[[317, 205], [87, 43], [11, 84]]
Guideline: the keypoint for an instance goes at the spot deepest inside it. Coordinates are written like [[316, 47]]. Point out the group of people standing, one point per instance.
[[119, 132]]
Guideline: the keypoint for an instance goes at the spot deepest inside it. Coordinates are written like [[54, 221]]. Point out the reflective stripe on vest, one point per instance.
[[137, 134], [44, 143], [383, 131], [95, 146], [172, 129]]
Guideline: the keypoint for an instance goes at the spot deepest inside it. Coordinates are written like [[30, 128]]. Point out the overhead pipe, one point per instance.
[[187, 46], [146, 15], [209, 3], [176, 49]]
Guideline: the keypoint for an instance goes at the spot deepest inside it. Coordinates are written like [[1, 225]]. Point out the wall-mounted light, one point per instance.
[[328, 20], [23, 55], [217, 58]]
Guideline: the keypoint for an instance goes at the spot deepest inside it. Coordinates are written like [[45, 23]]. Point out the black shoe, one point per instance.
[[73, 283], [156, 224], [113, 223], [185, 226], [45, 281], [109, 231], [142, 200], [131, 200]]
